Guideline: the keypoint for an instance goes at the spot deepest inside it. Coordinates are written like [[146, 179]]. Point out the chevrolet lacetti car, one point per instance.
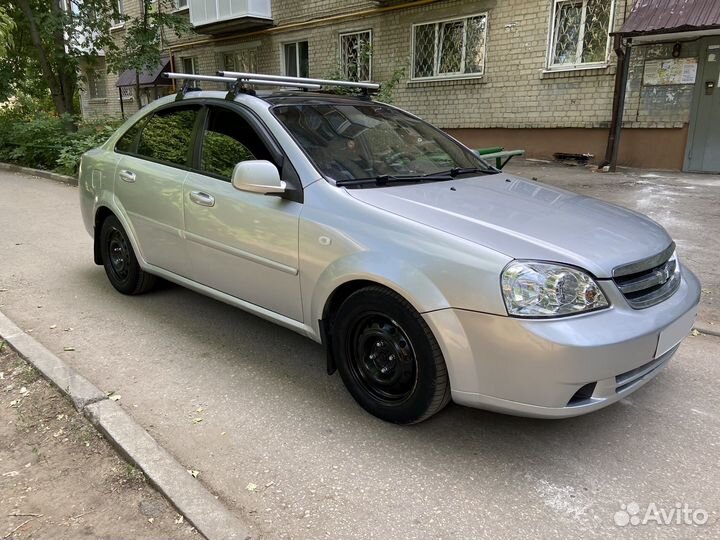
[[427, 274]]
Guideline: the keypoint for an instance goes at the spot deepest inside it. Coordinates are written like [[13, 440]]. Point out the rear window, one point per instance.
[[167, 136], [127, 142]]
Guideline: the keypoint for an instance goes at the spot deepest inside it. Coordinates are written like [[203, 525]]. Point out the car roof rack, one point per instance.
[[238, 82], [236, 85], [283, 80]]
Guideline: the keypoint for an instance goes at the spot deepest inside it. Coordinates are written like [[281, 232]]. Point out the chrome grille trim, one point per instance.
[[649, 281], [644, 264]]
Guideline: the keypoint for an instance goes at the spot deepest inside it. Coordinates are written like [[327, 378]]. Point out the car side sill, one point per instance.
[[261, 312]]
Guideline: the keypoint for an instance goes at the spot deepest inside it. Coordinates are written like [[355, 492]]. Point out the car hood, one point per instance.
[[527, 220]]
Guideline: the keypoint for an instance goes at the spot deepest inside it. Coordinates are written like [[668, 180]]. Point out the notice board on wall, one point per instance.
[[670, 71]]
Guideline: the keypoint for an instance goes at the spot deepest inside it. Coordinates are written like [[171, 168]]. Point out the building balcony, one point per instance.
[[226, 16]]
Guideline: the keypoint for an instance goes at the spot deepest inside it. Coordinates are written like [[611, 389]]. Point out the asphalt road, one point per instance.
[[248, 404]]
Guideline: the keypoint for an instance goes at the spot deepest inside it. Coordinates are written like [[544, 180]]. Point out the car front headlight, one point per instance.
[[537, 289]]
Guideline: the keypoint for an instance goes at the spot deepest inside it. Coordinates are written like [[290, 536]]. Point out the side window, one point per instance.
[[227, 141], [126, 143], [167, 135]]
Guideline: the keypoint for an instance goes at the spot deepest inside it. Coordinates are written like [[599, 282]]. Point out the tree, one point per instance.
[[7, 25], [48, 40], [142, 44], [45, 42]]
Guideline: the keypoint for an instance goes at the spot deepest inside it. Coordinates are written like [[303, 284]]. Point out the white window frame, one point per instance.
[[178, 7], [296, 42], [370, 60], [577, 66], [193, 61], [114, 25], [92, 83], [127, 94], [436, 58]]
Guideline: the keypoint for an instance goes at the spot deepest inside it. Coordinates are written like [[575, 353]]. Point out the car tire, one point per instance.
[[388, 357], [118, 257]]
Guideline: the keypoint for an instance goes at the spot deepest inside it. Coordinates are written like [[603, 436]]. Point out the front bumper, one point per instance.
[[560, 367]]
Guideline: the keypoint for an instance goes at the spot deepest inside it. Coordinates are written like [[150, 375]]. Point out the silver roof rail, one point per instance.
[[239, 75]]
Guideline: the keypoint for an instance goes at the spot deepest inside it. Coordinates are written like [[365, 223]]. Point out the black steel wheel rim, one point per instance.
[[382, 360], [119, 255]]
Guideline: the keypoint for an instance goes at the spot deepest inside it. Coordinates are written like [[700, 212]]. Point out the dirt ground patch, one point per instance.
[[60, 479]]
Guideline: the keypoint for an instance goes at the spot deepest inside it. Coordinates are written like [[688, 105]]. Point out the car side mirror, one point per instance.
[[258, 176]]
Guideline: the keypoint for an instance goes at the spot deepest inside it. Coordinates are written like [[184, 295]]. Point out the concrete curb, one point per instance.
[[70, 180], [706, 331], [199, 507]]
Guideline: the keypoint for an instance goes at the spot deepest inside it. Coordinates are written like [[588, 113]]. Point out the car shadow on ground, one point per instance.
[[284, 359]]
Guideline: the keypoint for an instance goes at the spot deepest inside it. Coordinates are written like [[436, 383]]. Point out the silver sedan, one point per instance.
[[426, 274]]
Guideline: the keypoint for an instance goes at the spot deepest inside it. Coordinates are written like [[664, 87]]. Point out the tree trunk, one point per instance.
[[61, 84], [137, 89]]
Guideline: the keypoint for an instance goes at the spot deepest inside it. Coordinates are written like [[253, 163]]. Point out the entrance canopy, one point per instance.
[[665, 18], [147, 78]]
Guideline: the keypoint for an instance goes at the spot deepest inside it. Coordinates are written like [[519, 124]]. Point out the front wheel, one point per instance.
[[118, 257], [388, 358]]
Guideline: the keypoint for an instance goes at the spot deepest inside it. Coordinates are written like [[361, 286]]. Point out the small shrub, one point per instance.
[[33, 137], [88, 136]]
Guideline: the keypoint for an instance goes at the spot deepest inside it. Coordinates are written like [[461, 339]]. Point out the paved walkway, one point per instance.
[[249, 406]]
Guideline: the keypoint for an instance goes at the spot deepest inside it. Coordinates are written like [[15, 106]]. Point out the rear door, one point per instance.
[[149, 184], [243, 244]]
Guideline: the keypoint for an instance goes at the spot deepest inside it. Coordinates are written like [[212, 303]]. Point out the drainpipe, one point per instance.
[[622, 50]]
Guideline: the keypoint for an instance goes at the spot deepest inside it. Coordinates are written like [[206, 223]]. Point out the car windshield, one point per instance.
[[371, 141]]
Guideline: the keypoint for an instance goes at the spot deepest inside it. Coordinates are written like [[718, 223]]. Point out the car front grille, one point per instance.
[[649, 281]]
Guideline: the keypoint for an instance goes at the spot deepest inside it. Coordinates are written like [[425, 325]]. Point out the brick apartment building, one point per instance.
[[532, 74]]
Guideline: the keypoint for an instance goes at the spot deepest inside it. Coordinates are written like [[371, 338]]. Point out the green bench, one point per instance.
[[499, 154]]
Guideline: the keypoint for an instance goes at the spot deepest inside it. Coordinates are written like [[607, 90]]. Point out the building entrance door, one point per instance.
[[703, 153]]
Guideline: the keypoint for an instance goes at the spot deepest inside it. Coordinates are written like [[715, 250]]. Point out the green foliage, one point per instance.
[[33, 137], [7, 26], [388, 87], [141, 46], [87, 137], [45, 43]]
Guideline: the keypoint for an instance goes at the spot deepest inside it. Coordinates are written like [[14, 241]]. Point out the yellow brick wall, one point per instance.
[[516, 91]]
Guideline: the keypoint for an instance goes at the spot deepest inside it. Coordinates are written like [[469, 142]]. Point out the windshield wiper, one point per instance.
[[385, 179], [456, 171]]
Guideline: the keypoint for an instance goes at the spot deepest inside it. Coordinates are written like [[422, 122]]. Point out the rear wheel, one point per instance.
[[118, 257], [388, 358]]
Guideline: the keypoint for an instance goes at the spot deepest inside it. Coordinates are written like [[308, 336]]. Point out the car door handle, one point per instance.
[[128, 176], [203, 199]]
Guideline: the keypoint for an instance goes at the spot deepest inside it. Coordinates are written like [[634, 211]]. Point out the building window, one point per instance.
[[126, 93], [580, 33], [181, 4], [189, 65], [96, 84], [295, 59], [244, 60], [356, 55], [452, 48], [117, 21]]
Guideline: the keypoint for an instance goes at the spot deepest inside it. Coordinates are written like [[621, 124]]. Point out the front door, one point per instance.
[[243, 244], [704, 141]]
